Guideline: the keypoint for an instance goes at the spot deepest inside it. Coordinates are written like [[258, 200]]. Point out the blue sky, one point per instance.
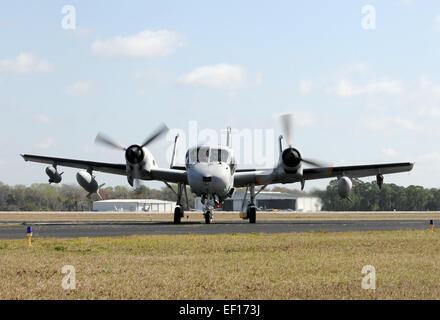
[[358, 96]]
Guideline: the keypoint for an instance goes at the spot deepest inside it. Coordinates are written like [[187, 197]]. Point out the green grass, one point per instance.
[[320, 265]]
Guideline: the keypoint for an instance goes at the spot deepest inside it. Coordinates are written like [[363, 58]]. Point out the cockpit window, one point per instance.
[[219, 155], [206, 154], [199, 154]]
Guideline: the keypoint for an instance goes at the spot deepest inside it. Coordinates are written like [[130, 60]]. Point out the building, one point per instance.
[[134, 205], [267, 200]]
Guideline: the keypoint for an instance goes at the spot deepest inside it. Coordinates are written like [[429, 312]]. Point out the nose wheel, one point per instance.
[[208, 216]]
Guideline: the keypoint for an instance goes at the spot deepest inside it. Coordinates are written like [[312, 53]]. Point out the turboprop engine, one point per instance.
[[291, 160], [138, 157], [344, 187], [54, 175], [88, 183]]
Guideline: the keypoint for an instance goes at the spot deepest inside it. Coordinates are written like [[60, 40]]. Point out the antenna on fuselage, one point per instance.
[[228, 137]]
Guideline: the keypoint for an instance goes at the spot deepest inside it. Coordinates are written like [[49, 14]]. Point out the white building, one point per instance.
[[135, 205], [268, 200]]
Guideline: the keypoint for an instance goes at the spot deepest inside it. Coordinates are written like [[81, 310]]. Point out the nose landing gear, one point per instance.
[[208, 216], [208, 211]]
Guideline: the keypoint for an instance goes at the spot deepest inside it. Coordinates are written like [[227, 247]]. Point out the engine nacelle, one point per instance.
[[344, 187], [53, 174], [87, 182], [291, 160]]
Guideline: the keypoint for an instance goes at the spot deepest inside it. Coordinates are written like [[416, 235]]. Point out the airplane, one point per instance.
[[211, 172]]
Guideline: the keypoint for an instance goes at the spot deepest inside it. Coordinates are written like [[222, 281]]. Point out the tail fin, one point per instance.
[[174, 151]]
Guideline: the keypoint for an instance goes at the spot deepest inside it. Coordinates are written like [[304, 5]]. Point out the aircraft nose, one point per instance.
[[208, 178]]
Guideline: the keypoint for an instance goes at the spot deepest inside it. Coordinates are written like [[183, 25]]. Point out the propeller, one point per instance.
[[134, 153], [156, 134], [105, 140], [287, 127]]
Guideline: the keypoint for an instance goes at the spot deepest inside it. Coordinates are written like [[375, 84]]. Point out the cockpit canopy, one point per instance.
[[207, 154]]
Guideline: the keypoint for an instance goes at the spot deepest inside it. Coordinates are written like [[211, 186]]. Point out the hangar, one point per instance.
[[269, 200], [135, 205]]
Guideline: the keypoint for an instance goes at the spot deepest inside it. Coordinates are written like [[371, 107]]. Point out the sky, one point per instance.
[[361, 79]]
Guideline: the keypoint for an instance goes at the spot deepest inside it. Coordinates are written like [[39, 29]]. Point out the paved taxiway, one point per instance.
[[74, 229]]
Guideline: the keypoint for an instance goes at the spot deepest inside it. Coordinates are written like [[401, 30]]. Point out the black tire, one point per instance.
[[178, 213], [252, 214], [208, 217]]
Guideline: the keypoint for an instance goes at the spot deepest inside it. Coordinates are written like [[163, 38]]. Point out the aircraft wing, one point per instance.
[[272, 176], [358, 171], [80, 164], [168, 175]]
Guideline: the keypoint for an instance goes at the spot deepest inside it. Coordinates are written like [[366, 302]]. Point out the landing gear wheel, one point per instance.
[[178, 214], [208, 217], [252, 214]]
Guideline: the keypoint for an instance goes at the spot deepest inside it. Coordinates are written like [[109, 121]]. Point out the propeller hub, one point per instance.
[[134, 154], [291, 157]]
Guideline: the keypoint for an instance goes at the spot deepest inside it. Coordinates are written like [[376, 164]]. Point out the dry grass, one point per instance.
[[317, 265]]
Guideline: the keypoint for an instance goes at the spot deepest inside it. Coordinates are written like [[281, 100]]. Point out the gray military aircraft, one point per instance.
[[211, 171]]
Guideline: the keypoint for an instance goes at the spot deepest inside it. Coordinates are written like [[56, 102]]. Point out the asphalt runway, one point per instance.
[[74, 229]]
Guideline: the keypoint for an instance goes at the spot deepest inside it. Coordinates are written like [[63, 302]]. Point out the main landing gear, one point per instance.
[[179, 211], [251, 211], [178, 214]]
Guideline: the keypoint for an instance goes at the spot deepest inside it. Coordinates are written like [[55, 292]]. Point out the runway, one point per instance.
[[75, 229]]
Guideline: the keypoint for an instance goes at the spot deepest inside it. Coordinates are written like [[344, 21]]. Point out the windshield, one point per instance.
[[219, 155], [206, 154]]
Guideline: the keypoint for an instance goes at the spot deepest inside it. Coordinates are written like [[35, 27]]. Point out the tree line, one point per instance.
[[67, 197], [366, 196]]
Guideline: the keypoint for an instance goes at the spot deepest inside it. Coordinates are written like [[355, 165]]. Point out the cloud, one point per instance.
[[42, 118], [347, 89], [305, 86], [219, 76], [45, 144], [437, 22], [144, 44], [77, 88], [259, 79], [404, 123], [25, 63], [303, 119], [389, 152]]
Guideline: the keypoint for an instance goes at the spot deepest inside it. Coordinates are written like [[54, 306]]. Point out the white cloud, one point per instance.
[[77, 88], [259, 79], [437, 22], [45, 144], [347, 89], [303, 119], [389, 152], [219, 76], [404, 123], [375, 124], [24, 63], [144, 44], [42, 118], [305, 86]]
